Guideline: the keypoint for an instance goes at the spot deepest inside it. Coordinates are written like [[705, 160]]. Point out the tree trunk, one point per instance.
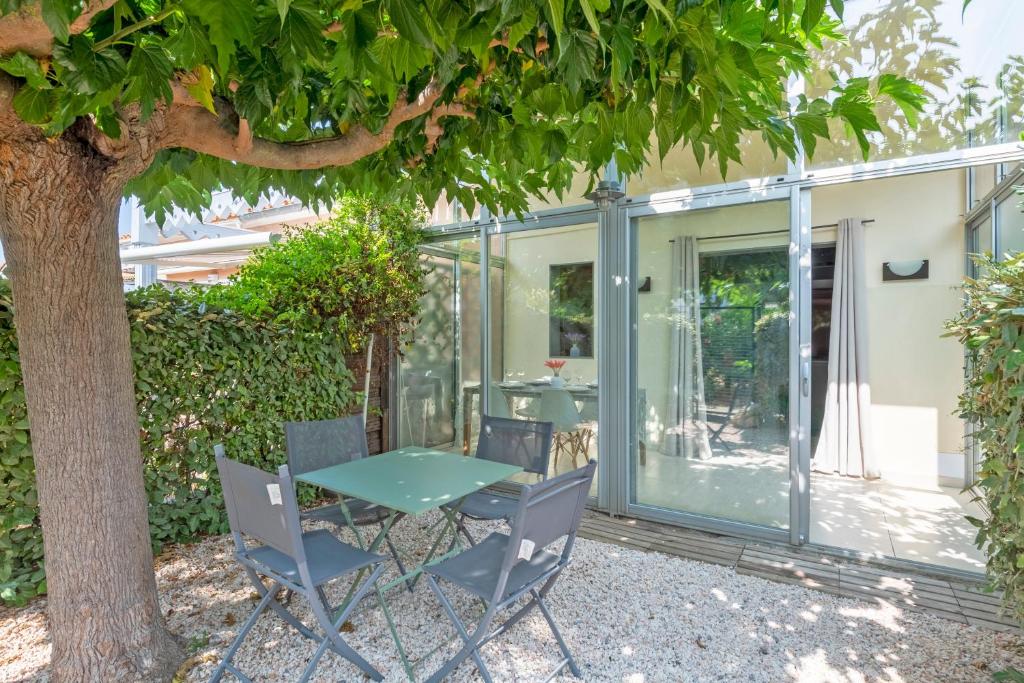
[[58, 225]]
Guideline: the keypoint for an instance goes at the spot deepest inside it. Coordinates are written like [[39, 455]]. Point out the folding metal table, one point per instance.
[[410, 481]]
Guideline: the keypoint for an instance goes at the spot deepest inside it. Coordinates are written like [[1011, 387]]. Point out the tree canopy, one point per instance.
[[485, 101]]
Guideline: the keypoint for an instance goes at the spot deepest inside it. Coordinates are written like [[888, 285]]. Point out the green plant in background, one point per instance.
[[991, 327], [21, 545], [358, 268], [227, 365]]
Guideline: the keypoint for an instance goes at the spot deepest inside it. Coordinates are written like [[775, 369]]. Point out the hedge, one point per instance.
[[203, 375], [991, 326], [228, 365]]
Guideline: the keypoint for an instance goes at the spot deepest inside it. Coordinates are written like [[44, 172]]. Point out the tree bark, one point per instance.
[[59, 203]]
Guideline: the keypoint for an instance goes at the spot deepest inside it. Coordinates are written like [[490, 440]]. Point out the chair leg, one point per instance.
[[470, 649], [225, 663], [332, 638], [558, 635]]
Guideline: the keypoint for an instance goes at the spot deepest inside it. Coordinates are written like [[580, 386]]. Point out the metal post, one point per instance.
[[485, 319], [800, 365], [613, 445]]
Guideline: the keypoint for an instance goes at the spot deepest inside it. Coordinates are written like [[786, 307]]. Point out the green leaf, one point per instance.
[[20, 65], [201, 88], [410, 21], [657, 6], [149, 77], [189, 46], [814, 10], [282, 8], [85, 70], [588, 12], [837, 7], [908, 96], [579, 52], [230, 24], [57, 15], [556, 13], [809, 127]]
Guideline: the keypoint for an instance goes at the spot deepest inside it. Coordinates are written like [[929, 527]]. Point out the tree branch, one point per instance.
[[24, 29], [225, 136]]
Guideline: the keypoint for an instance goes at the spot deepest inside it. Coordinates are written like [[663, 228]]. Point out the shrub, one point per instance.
[[359, 268], [991, 327], [203, 376], [228, 366]]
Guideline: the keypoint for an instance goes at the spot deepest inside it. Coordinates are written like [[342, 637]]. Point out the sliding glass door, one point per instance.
[[443, 354], [543, 343], [712, 325]]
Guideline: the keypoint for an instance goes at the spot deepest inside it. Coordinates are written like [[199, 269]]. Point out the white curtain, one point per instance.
[[844, 446], [686, 432]]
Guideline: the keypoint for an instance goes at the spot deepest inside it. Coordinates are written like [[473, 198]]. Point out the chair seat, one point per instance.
[[484, 505], [477, 570], [327, 556], [362, 512]]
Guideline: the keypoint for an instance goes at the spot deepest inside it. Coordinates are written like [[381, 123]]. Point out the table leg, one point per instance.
[[467, 419]]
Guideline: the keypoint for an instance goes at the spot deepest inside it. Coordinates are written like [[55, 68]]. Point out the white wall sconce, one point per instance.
[[915, 269]]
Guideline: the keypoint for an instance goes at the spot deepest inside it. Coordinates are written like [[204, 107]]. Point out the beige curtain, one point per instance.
[[686, 431], [844, 446]]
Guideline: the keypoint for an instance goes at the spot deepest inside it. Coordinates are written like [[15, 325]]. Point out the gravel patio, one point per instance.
[[628, 616]]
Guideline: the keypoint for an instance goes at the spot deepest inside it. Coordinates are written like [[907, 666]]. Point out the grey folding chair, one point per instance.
[[503, 568], [316, 444], [263, 507], [514, 442]]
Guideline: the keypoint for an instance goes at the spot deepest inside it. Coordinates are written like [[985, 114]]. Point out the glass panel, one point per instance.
[[549, 287], [1010, 219], [444, 351], [900, 494], [969, 62], [712, 345], [680, 168]]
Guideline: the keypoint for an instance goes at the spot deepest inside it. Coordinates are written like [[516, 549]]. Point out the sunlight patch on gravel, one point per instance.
[[628, 616]]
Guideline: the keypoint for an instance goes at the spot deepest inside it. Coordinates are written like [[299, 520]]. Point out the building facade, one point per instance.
[[761, 355]]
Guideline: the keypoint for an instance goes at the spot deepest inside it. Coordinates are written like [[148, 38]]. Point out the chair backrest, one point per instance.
[[516, 442], [317, 444], [547, 511], [558, 407], [260, 505]]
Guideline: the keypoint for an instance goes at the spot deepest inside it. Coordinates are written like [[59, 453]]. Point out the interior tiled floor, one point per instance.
[[873, 517], [751, 484]]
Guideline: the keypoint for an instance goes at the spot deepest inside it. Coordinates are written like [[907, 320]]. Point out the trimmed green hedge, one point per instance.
[[991, 327], [206, 375], [203, 375]]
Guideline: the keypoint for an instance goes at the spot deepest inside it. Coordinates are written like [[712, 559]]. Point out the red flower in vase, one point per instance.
[[555, 365]]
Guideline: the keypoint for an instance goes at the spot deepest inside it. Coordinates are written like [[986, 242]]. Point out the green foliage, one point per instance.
[[359, 269], [21, 546], [991, 327], [771, 367], [549, 87], [205, 374]]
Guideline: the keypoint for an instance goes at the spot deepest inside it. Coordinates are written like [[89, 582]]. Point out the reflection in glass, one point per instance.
[[713, 363], [969, 63], [1010, 219], [443, 352], [547, 306]]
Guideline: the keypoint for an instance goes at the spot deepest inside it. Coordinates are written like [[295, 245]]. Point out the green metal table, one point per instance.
[[410, 481]]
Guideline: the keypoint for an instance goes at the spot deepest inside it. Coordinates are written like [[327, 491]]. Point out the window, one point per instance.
[[571, 312], [1010, 219], [969, 62]]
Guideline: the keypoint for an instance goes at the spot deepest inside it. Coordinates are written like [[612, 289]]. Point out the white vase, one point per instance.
[[574, 351], [557, 381]]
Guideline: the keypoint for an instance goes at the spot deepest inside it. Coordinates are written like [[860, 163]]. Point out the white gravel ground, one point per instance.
[[627, 616]]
